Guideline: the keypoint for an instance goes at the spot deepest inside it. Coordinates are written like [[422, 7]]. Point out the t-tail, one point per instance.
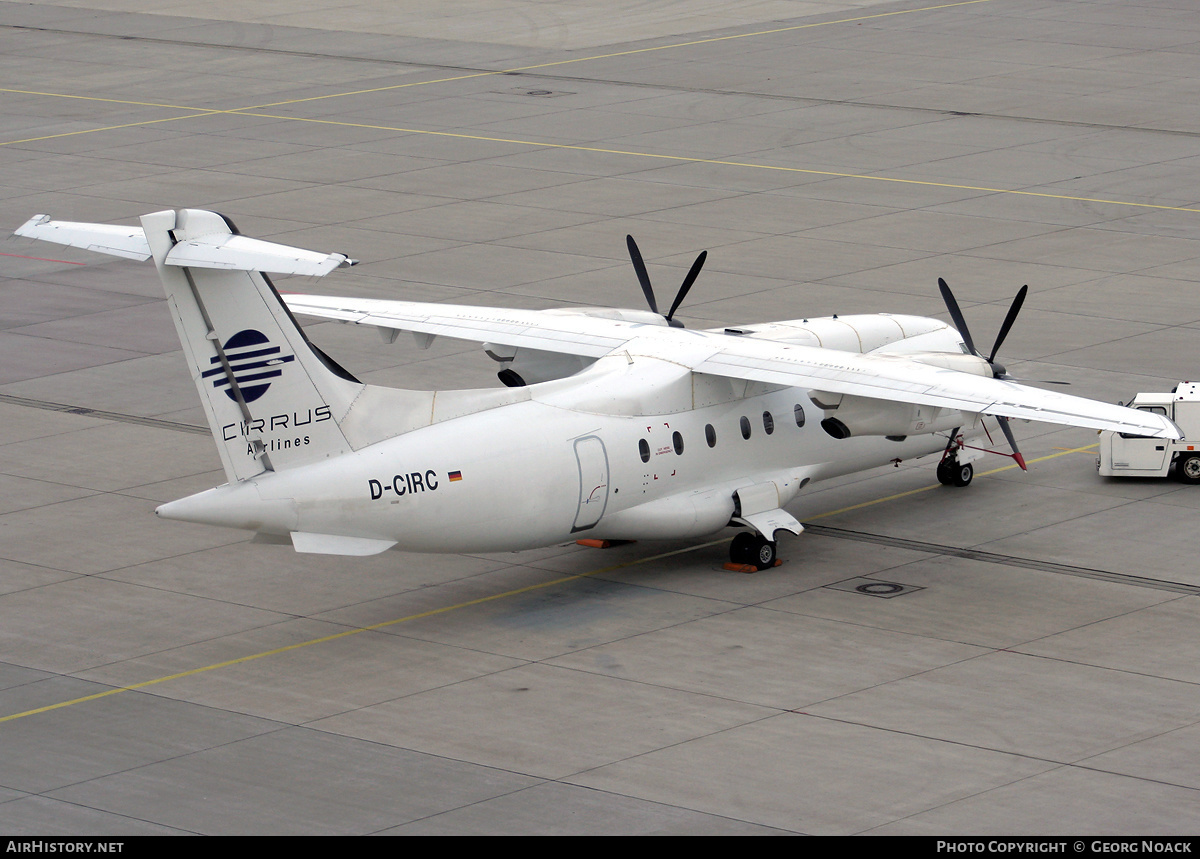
[[273, 400]]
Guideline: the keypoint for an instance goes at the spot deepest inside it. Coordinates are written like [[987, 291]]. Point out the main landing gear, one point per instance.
[[952, 473], [750, 550]]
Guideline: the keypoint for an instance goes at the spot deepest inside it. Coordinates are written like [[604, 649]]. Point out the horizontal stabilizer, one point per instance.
[[218, 251], [128, 242], [238, 253]]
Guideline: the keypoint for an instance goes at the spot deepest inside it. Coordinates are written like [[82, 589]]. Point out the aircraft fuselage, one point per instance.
[[558, 468]]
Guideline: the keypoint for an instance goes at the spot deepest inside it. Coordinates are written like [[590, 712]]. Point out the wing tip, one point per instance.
[[27, 229]]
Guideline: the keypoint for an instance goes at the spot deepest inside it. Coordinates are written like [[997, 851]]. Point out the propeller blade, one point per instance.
[[956, 315], [639, 266], [1009, 320], [1012, 441], [687, 283]]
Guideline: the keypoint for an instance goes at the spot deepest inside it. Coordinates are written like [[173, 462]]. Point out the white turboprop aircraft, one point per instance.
[[615, 425]]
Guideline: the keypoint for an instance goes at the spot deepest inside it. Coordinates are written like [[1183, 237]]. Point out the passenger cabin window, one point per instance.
[[768, 423], [799, 410], [710, 435], [644, 450], [677, 440], [745, 422]]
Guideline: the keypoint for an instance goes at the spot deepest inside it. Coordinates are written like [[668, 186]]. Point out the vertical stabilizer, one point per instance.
[[273, 401]]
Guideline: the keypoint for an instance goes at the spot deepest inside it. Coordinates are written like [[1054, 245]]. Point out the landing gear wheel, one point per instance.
[[1187, 469], [753, 550], [764, 553], [741, 550], [951, 473]]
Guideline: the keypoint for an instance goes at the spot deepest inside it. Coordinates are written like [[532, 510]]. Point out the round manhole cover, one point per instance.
[[880, 588]]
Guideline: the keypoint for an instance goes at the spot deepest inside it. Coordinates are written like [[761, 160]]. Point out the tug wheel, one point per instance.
[[1187, 469]]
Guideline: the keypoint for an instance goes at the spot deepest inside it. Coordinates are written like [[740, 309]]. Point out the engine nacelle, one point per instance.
[[847, 416], [532, 366], [963, 363]]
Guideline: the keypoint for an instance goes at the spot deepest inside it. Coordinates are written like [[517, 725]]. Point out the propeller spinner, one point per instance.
[[639, 266]]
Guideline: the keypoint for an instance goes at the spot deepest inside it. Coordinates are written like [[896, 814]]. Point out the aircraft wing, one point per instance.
[[883, 377], [525, 329], [893, 377]]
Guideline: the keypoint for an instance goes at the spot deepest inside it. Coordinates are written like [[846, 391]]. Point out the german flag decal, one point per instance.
[[455, 475]]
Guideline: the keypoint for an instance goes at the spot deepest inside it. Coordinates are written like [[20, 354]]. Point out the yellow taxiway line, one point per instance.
[[1064, 452], [686, 159], [256, 111], [518, 69]]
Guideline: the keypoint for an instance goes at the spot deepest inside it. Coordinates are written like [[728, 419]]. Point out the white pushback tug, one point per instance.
[[1125, 454]]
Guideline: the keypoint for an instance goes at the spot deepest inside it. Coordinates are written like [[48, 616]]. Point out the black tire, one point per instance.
[[764, 553], [753, 550], [1187, 468], [951, 473], [742, 549]]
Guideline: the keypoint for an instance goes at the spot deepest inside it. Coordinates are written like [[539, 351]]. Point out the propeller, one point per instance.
[[960, 322], [998, 370], [639, 266]]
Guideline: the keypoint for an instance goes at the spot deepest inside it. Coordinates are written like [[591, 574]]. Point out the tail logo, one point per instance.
[[253, 360]]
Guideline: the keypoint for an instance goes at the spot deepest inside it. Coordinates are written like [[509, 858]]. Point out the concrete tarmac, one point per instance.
[[1037, 671]]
